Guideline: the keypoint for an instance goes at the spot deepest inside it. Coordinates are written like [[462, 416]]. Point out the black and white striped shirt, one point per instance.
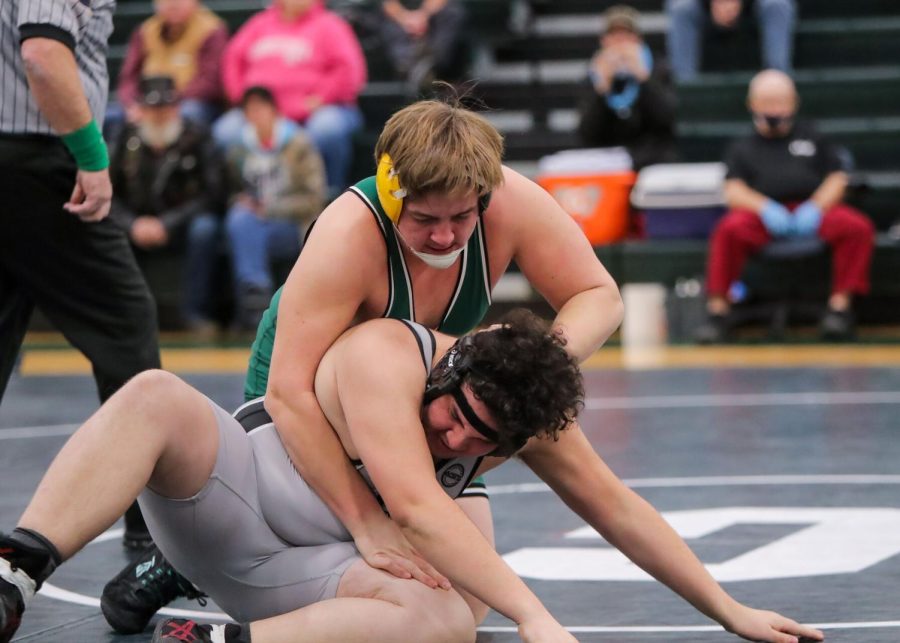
[[82, 25]]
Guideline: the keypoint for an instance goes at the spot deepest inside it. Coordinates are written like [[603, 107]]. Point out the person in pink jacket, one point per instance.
[[311, 61]]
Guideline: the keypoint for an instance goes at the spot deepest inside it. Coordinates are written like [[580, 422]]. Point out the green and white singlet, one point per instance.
[[465, 310]]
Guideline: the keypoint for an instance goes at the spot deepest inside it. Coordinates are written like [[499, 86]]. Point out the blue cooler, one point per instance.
[[680, 200]]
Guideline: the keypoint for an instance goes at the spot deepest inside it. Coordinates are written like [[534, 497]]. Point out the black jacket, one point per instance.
[[174, 184]]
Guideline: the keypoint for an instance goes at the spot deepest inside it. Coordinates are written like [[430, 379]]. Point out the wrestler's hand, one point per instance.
[[384, 547], [544, 630], [760, 625]]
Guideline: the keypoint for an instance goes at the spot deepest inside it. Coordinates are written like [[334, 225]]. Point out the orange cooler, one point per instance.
[[598, 202], [593, 185]]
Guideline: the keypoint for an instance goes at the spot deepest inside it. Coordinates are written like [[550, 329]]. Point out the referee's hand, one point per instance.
[[91, 197]]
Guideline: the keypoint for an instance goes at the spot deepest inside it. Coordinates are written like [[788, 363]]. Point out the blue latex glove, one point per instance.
[[807, 218], [776, 218]]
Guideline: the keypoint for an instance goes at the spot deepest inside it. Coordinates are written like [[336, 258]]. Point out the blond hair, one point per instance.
[[437, 146]]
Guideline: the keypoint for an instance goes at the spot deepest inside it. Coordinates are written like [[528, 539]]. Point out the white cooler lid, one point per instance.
[[598, 160], [680, 185]]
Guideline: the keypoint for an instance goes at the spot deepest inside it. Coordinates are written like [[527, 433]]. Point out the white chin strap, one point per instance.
[[441, 262]]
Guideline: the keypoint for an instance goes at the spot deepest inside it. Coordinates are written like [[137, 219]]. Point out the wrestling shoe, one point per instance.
[[146, 584], [16, 589], [183, 630]]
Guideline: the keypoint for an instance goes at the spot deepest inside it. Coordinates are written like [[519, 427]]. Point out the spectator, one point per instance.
[[691, 20], [631, 101], [786, 181], [184, 40], [312, 62], [424, 39], [278, 186], [166, 176]]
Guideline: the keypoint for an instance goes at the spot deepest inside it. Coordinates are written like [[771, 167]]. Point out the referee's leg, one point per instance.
[[15, 311], [82, 276]]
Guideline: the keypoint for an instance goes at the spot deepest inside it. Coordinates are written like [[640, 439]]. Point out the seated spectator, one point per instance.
[[166, 177], [184, 40], [786, 181], [424, 39], [631, 100], [312, 62], [278, 187], [690, 21]]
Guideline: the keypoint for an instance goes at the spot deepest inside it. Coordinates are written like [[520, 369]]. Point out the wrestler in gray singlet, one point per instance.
[[256, 538]]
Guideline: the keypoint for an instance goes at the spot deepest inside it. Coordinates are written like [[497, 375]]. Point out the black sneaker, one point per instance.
[[182, 630], [713, 331], [838, 325], [16, 587], [146, 584]]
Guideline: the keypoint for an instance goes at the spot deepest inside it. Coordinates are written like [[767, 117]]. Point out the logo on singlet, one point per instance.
[[453, 475]]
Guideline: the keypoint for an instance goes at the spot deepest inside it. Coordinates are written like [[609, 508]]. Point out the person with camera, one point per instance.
[[631, 101]]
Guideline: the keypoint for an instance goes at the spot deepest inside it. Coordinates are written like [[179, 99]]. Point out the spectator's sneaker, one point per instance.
[[713, 331], [147, 584], [838, 325], [182, 630], [16, 589]]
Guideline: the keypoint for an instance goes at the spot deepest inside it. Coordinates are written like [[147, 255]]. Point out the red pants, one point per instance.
[[741, 234]]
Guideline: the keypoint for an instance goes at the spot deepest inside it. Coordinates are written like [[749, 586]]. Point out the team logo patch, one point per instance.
[[453, 475]]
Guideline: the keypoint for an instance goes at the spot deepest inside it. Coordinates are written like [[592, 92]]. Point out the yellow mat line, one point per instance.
[[234, 360], [177, 360]]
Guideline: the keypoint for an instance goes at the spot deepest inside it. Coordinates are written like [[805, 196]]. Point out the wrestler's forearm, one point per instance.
[[640, 533], [589, 318], [320, 459], [443, 534], [584, 482]]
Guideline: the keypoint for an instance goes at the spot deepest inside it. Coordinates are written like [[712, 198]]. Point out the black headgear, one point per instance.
[[447, 379]]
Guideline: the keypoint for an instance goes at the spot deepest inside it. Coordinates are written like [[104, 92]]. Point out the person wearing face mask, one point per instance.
[[167, 178], [786, 181], [631, 101], [425, 239]]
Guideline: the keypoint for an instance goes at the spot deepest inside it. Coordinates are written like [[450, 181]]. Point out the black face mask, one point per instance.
[[772, 122]]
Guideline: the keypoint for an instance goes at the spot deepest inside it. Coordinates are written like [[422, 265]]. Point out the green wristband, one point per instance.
[[88, 147]]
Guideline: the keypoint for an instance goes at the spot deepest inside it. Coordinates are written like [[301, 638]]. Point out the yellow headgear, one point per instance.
[[387, 184]]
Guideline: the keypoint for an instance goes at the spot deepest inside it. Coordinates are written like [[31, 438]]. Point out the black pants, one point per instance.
[[82, 276]]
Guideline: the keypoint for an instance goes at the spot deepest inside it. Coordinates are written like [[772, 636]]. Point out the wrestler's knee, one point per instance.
[[446, 616], [435, 615]]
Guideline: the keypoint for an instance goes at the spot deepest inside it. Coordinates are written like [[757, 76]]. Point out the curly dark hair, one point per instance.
[[525, 377]]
